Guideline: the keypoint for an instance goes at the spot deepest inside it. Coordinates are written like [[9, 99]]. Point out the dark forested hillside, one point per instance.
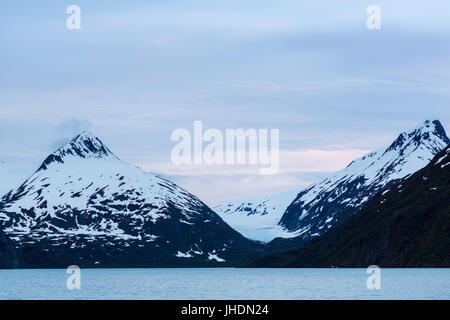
[[8, 257]]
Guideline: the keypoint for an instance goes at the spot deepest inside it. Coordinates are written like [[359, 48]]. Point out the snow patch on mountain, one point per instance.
[[213, 256]]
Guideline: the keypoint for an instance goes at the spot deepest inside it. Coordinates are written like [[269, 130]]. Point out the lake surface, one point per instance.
[[227, 283]]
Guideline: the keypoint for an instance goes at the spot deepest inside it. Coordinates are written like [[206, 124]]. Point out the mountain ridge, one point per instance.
[[84, 145], [85, 205], [332, 201], [405, 226], [314, 210]]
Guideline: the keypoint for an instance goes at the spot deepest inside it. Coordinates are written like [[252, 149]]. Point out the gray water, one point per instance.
[[227, 283]]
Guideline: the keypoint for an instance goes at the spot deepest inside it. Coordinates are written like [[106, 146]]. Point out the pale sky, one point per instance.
[[137, 70]]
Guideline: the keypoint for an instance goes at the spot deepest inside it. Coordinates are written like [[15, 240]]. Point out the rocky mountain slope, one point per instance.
[[407, 225], [84, 206], [303, 215], [332, 201]]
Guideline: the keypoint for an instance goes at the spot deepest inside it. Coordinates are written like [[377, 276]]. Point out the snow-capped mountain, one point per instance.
[[85, 206], [257, 218], [332, 201], [318, 208], [405, 226]]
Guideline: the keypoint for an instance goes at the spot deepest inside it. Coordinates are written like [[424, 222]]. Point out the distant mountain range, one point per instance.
[[258, 218], [407, 225], [85, 206], [332, 201]]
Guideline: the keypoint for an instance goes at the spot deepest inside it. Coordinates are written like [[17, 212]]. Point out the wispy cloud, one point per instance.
[[290, 162], [69, 128], [218, 183]]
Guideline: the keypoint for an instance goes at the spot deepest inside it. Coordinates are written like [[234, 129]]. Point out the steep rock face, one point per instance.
[[407, 225], [85, 206], [332, 201]]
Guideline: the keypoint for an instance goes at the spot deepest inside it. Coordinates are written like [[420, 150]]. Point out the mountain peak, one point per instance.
[[85, 145], [440, 131], [341, 195], [86, 134], [430, 133], [430, 128]]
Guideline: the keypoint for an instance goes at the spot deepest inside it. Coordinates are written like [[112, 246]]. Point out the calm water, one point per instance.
[[225, 284]]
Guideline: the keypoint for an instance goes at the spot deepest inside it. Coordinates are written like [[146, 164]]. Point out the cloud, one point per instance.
[[216, 184], [297, 161], [316, 74], [217, 189], [67, 129]]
